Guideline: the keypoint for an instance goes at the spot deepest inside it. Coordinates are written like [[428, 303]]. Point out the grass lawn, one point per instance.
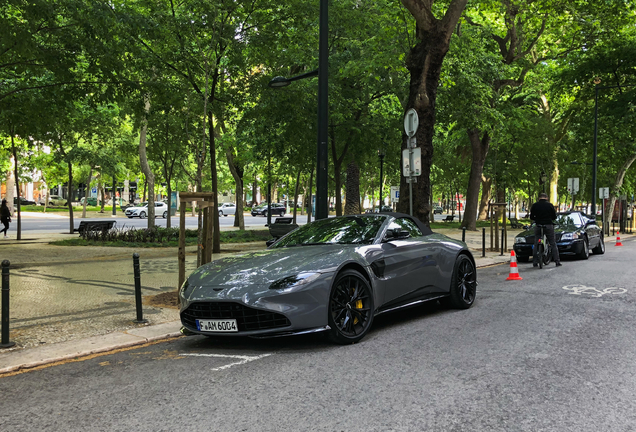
[[226, 237]]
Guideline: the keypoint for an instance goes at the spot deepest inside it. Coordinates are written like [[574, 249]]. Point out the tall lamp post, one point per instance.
[[322, 157], [381, 155]]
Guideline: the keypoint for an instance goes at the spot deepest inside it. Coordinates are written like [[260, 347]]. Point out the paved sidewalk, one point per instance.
[[68, 302]]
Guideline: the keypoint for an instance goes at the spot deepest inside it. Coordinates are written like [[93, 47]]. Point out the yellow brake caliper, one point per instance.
[[358, 306]]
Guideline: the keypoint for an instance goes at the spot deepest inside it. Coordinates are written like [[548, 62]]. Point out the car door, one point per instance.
[[410, 268], [593, 231], [231, 209]]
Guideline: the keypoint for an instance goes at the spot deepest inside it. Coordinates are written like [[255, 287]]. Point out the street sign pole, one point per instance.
[[410, 180], [411, 123]]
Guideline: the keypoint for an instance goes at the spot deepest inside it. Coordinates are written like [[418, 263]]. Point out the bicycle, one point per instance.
[[544, 250]]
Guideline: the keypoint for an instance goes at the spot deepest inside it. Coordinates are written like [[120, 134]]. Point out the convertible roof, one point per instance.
[[425, 229]]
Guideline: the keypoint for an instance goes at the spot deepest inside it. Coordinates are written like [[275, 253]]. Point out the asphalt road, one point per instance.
[[553, 352]]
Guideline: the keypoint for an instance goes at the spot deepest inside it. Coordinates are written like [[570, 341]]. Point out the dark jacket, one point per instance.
[[543, 213], [5, 214]]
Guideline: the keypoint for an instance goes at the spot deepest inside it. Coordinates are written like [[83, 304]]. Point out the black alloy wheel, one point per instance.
[[600, 248], [585, 253], [350, 308], [165, 215], [220, 213], [463, 283], [142, 215]]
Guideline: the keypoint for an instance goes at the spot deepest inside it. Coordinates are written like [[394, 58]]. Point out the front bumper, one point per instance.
[[568, 247], [264, 314]]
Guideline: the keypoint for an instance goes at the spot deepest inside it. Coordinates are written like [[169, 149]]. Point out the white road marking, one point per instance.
[[593, 292], [243, 359]]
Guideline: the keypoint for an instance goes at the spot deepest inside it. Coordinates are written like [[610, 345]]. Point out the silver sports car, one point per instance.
[[332, 275]]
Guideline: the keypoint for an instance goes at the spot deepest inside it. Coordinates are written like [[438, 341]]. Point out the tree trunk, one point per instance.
[[17, 186], [309, 206], [10, 186], [554, 177], [424, 63], [145, 166], [615, 190], [480, 150], [216, 235], [352, 205], [296, 194], [169, 218], [237, 173], [88, 186], [70, 197], [486, 184]]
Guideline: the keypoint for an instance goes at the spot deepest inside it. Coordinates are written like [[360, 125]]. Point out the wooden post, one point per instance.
[[209, 233], [181, 256]]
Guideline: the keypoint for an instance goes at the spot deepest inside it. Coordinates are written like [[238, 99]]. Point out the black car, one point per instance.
[[23, 201], [276, 209], [575, 234], [437, 210]]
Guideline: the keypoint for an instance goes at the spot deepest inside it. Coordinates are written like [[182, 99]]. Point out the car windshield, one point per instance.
[[340, 230], [569, 219]]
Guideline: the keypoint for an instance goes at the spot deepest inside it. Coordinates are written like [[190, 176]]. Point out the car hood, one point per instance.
[[254, 272], [137, 208], [265, 267]]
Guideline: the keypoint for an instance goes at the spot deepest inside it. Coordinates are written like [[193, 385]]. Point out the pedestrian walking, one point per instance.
[[5, 217]]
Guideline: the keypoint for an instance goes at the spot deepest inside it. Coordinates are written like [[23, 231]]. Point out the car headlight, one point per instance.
[[294, 281], [569, 236], [520, 239], [183, 288]]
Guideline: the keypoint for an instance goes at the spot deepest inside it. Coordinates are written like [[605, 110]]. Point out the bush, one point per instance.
[[137, 235]]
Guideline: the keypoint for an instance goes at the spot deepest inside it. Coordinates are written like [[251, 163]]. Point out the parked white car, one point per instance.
[[227, 209], [56, 200], [141, 210]]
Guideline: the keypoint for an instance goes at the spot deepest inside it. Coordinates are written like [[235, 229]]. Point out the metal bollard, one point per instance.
[[612, 228], [4, 342], [140, 314], [464, 234], [502, 242], [483, 242]]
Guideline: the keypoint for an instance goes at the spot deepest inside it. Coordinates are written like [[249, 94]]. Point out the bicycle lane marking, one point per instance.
[[242, 359], [592, 291]]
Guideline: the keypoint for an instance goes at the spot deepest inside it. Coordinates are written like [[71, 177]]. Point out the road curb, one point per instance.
[[76, 349]]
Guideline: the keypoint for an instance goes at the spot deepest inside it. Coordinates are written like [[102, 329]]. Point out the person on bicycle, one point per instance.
[[542, 213]]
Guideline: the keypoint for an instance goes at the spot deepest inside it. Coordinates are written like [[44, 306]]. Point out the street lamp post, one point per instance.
[[322, 157], [381, 155]]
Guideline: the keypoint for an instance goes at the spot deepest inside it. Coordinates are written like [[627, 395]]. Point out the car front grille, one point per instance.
[[247, 319]]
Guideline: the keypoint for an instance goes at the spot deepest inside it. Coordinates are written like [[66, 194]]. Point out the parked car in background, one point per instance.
[[91, 201], [227, 209], [56, 200], [437, 210], [574, 232], [141, 211], [262, 210], [384, 208], [23, 201]]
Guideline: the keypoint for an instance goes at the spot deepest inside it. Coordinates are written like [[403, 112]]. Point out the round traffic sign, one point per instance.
[[411, 122]]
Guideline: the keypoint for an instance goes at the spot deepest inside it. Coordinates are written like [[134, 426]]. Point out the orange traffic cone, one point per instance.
[[618, 239], [514, 271]]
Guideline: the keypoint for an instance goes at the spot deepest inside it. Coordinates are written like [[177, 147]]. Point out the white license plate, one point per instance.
[[217, 325]]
